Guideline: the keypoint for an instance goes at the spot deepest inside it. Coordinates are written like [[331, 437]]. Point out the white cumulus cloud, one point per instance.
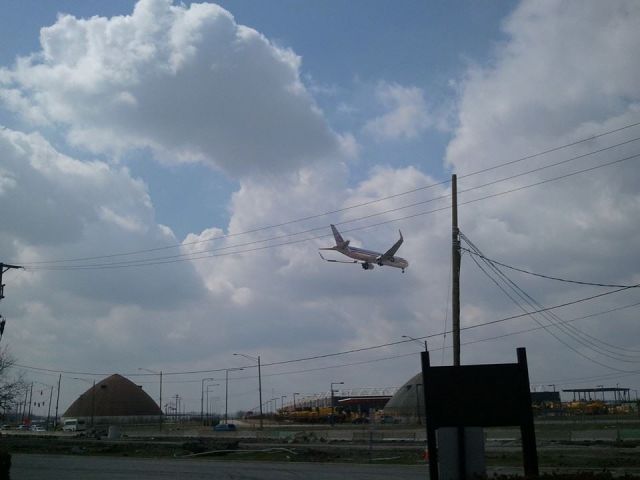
[[406, 116], [189, 83]]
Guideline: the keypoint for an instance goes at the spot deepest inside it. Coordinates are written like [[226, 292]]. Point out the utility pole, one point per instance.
[[49, 410], [455, 269], [259, 382], [93, 401], [30, 403], [160, 400], [57, 401], [4, 267], [260, 392]]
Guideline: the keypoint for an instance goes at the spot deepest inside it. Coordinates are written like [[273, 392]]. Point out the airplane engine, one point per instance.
[[367, 266]]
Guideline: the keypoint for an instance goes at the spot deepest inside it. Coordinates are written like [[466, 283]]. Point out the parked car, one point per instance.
[[389, 419], [360, 420], [225, 427], [22, 427], [37, 428]]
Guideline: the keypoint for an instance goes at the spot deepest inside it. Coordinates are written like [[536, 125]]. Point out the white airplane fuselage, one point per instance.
[[367, 258], [371, 257]]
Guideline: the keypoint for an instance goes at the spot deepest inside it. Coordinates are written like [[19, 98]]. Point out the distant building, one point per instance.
[[114, 400], [541, 398], [407, 405]]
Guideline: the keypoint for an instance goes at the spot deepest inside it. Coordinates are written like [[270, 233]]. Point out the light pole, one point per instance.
[[332, 407], [259, 382], [210, 385], [416, 340], [202, 399], [226, 392], [160, 401], [601, 387], [51, 387], [294, 401], [282, 402], [93, 396]]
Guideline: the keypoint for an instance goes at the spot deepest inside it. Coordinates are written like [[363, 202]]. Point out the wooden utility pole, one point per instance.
[[455, 271], [55, 423], [3, 268]]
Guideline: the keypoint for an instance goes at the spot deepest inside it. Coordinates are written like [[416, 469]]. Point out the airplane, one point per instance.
[[366, 258]]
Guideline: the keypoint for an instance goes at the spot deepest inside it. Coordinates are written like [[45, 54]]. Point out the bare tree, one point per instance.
[[11, 385]]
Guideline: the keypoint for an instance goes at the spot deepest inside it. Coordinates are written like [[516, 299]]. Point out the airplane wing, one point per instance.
[[335, 261], [392, 251]]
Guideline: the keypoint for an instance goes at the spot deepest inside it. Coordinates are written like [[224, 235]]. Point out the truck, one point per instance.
[[74, 425]]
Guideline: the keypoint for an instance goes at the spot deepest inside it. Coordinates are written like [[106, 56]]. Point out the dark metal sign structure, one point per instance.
[[479, 396]]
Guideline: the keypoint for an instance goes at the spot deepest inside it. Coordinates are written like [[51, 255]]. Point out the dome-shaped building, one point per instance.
[[115, 399], [407, 404]]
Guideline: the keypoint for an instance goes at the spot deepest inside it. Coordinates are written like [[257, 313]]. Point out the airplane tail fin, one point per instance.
[[336, 235], [340, 242]]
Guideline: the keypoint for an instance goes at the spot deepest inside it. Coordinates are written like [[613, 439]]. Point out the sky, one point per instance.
[[169, 170]]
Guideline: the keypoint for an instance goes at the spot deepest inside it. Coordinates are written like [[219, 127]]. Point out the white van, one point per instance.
[[73, 425]]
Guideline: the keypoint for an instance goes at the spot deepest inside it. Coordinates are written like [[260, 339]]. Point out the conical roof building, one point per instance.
[[115, 399], [407, 404]]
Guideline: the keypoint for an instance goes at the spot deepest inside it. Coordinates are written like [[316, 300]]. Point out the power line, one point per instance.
[[578, 282], [198, 256], [553, 319], [309, 217], [345, 352], [599, 346]]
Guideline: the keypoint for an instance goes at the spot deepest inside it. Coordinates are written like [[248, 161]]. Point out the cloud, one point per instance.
[[189, 83], [256, 296], [561, 75], [55, 207], [407, 114]]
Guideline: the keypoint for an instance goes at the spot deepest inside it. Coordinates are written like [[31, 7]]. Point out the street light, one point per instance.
[[259, 381], [226, 392], [416, 340], [160, 402], [50, 398], [208, 386], [332, 408], [202, 399], [294, 401], [282, 402], [93, 396]]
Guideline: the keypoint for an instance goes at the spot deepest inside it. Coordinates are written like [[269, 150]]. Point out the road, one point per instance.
[[67, 467]]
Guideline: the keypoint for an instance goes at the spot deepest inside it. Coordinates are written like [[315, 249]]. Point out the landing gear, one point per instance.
[[367, 266]]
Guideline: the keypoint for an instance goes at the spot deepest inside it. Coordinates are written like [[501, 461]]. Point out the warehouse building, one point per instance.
[[114, 400]]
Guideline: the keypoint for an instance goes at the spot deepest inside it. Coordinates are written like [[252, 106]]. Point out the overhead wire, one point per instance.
[[576, 335], [484, 170], [600, 346], [393, 357], [344, 352], [548, 277], [208, 254]]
